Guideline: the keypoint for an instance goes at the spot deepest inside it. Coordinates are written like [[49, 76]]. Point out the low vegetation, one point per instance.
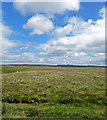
[[56, 92]]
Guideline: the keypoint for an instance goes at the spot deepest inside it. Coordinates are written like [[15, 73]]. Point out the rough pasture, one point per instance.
[[56, 92]]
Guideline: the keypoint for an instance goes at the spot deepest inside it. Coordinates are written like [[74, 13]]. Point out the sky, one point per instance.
[[53, 32]]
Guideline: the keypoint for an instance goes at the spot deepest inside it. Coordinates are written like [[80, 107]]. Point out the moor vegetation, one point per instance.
[[56, 92]]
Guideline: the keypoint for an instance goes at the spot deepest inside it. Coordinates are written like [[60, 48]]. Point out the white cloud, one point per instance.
[[5, 42], [41, 60], [84, 45], [23, 48], [45, 6], [80, 54], [99, 54], [39, 24], [62, 31], [23, 57], [76, 54], [5, 33], [87, 39], [75, 26], [102, 12]]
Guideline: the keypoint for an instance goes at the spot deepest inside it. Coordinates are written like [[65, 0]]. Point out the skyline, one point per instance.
[[39, 33]]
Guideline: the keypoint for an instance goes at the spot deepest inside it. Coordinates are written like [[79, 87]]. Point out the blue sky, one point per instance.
[[56, 33]]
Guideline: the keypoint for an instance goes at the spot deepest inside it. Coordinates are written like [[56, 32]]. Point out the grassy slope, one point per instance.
[[11, 69], [53, 92]]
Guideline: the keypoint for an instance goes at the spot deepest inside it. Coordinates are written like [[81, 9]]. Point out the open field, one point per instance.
[[56, 92]]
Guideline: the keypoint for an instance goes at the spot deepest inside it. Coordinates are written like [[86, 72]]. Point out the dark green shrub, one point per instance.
[[32, 112]]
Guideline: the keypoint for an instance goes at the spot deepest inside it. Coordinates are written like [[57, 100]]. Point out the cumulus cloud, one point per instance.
[[5, 42], [45, 6], [26, 57], [5, 33], [39, 24], [23, 57], [62, 31], [75, 26], [87, 39]]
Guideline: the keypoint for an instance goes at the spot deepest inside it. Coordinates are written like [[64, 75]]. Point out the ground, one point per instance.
[[56, 92]]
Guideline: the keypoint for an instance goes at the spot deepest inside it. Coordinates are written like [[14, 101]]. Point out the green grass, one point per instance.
[[11, 69], [55, 110], [53, 92]]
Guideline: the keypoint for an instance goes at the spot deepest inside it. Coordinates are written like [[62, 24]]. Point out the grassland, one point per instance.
[[53, 92]]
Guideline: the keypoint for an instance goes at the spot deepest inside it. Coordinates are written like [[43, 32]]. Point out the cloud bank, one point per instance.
[[87, 38]]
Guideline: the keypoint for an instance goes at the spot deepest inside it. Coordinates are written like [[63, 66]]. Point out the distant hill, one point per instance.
[[79, 66], [52, 65]]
